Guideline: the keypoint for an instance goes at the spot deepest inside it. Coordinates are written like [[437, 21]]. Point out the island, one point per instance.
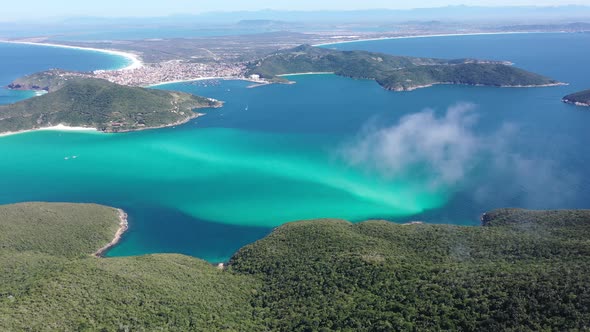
[[581, 98], [79, 101], [521, 270], [397, 73]]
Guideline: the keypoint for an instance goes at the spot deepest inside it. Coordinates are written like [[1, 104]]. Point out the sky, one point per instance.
[[18, 10]]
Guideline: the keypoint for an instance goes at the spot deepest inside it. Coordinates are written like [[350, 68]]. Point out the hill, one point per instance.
[[523, 270], [398, 73], [88, 102], [581, 98], [49, 280]]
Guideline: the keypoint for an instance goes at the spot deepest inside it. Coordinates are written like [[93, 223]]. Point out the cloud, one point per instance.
[[442, 148], [446, 152]]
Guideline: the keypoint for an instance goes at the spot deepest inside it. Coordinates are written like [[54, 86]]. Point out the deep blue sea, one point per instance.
[[330, 147]]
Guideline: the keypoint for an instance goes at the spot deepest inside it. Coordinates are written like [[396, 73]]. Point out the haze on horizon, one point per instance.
[[41, 9]]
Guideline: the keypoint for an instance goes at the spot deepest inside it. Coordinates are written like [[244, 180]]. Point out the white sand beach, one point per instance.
[[192, 80], [59, 127], [134, 58], [308, 73]]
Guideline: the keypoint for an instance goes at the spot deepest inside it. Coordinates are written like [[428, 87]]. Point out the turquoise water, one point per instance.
[[20, 60], [328, 147]]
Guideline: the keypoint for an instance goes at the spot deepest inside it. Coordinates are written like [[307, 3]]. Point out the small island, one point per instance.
[[396, 73], [77, 101], [581, 98]]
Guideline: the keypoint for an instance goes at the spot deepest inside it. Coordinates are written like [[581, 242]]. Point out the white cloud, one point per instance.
[[445, 152], [444, 145]]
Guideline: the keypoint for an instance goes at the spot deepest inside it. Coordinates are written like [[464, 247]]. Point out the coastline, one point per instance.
[[261, 82], [433, 35], [191, 80], [123, 227], [412, 88], [308, 73], [575, 103], [64, 128], [135, 59], [59, 127]]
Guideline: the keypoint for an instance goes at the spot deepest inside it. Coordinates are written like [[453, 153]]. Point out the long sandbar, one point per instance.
[[433, 35], [135, 60]]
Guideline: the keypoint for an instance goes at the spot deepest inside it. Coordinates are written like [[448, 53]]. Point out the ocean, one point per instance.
[[325, 147]]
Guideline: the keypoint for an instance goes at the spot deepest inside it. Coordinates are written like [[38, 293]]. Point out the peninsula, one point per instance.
[[397, 73], [79, 101], [581, 98], [520, 270]]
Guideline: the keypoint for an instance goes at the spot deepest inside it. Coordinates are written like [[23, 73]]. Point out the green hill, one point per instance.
[[581, 98], [399, 73], [521, 271], [49, 281], [525, 271], [95, 103]]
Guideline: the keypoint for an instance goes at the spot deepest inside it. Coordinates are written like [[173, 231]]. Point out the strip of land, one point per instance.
[[123, 226]]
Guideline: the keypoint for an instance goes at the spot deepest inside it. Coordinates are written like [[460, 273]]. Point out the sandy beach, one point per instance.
[[428, 36], [123, 226], [59, 127], [135, 60], [192, 80], [308, 73]]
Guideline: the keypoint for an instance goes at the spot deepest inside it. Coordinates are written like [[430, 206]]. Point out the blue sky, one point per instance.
[[16, 10]]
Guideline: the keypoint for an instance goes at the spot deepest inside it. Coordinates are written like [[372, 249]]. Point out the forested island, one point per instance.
[[522, 270], [94, 103], [397, 73], [581, 98]]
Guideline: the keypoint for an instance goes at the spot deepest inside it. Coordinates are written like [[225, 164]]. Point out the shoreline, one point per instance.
[[433, 36], [191, 80], [413, 88], [308, 73], [575, 103], [123, 227], [59, 127], [134, 58], [230, 78]]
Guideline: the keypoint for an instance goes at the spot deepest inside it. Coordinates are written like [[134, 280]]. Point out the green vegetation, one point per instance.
[[50, 282], [49, 228], [581, 98], [525, 271], [397, 73], [521, 271], [49, 81], [88, 102]]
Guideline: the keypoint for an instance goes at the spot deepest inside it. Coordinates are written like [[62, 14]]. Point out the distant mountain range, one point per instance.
[[462, 13], [247, 22]]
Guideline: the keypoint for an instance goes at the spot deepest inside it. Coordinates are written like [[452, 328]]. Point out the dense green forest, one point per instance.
[[399, 73], [49, 280], [95, 103], [521, 271], [581, 98]]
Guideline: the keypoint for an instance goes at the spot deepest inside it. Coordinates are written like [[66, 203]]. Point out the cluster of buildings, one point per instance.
[[170, 71]]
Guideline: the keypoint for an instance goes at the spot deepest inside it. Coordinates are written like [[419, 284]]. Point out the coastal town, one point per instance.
[[170, 71]]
